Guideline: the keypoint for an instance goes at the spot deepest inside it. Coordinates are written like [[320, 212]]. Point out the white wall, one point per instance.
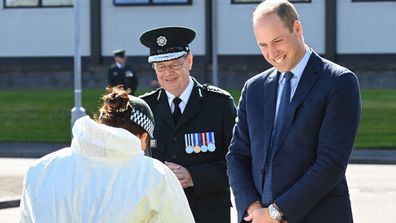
[[366, 27], [122, 26], [30, 32], [236, 34], [313, 18]]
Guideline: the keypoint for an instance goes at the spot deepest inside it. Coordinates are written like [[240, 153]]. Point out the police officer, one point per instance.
[[122, 74], [193, 124]]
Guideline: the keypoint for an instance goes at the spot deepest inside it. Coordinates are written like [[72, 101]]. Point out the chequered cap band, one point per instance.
[[143, 121]]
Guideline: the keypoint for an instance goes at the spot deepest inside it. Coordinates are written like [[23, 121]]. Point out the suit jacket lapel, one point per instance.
[[163, 109], [307, 81], [194, 105], [269, 105]]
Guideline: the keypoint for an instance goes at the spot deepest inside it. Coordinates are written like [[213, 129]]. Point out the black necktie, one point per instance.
[[177, 112]]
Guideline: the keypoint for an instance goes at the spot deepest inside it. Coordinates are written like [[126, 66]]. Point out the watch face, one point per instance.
[[274, 213]]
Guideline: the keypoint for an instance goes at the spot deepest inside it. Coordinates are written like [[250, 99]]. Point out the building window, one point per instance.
[[151, 2], [259, 1], [37, 3], [373, 0]]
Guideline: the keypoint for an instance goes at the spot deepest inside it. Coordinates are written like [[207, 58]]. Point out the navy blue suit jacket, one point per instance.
[[308, 177]]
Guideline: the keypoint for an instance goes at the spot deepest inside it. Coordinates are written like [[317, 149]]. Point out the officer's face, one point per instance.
[[174, 75], [120, 60], [280, 47]]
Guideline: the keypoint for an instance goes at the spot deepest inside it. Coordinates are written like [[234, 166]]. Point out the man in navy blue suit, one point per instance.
[[296, 126]]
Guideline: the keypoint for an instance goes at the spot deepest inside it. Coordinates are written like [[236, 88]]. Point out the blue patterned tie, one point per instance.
[[280, 119]]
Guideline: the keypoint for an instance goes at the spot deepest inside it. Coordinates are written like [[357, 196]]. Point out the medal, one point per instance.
[[189, 148], [204, 148], [197, 149], [211, 142]]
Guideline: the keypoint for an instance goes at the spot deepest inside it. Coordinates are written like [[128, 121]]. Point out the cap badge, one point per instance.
[[161, 41]]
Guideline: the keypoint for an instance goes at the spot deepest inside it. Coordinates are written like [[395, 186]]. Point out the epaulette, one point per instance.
[[156, 93], [215, 89]]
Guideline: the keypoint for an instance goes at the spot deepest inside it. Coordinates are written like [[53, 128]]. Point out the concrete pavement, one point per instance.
[[36, 150], [372, 187], [372, 190]]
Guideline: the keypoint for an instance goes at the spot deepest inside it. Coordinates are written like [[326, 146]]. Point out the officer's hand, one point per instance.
[[181, 173]]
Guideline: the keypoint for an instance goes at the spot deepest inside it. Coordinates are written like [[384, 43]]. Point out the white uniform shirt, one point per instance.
[[103, 177], [184, 97]]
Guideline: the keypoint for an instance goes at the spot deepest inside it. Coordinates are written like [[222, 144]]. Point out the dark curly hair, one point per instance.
[[116, 110]]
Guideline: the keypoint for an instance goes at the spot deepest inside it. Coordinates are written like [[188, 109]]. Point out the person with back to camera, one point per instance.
[[296, 125], [104, 176], [193, 124], [121, 73]]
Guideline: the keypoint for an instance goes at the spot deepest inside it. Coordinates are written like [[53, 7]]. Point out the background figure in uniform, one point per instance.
[[193, 124], [104, 176], [121, 73], [297, 123]]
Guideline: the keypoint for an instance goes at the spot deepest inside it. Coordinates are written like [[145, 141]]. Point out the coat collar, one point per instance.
[[308, 80], [269, 106], [194, 105], [99, 140]]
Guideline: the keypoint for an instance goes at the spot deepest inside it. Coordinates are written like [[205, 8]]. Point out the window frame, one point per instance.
[[38, 6], [236, 2], [151, 3], [376, 1]]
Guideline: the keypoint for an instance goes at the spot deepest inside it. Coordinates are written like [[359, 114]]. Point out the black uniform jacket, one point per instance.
[[125, 76], [209, 109]]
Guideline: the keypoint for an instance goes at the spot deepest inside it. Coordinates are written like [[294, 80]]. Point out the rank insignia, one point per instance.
[[153, 143]]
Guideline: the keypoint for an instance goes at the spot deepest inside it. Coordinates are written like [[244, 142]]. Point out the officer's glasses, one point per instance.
[[172, 67]]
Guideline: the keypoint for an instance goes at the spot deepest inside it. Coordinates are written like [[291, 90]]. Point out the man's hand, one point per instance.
[[182, 174], [258, 214]]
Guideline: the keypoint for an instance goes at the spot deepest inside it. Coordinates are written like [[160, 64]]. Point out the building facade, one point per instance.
[[37, 38]]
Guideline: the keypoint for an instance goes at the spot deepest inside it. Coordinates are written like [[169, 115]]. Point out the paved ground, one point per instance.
[[36, 150], [372, 189]]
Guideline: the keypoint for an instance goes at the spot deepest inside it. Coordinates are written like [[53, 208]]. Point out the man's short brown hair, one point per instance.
[[283, 8]]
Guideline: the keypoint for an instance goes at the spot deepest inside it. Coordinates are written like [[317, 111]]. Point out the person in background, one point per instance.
[[104, 176], [296, 125], [120, 73], [193, 124]]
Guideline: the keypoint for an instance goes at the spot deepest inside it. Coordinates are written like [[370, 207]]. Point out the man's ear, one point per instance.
[[297, 27], [190, 61]]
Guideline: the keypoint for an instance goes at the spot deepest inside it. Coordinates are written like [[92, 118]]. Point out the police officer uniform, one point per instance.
[[199, 140], [122, 74]]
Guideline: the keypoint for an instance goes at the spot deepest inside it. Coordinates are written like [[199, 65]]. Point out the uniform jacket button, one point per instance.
[[175, 138], [174, 156]]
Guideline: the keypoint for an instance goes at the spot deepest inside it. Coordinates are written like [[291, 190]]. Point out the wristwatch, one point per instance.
[[275, 213]]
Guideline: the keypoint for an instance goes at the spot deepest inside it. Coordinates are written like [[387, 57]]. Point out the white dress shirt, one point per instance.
[[297, 71], [184, 97]]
